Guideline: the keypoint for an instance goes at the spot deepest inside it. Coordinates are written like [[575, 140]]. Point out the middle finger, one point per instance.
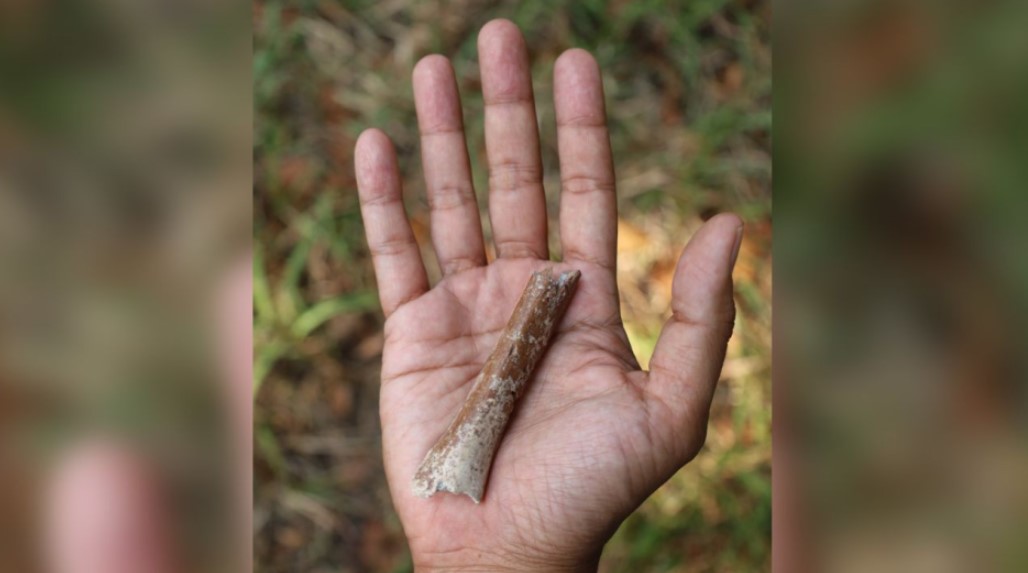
[[517, 202]]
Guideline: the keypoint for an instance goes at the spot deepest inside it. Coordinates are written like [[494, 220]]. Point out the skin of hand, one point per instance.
[[593, 436]]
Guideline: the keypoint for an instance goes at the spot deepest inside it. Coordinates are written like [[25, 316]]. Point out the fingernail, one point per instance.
[[738, 243]]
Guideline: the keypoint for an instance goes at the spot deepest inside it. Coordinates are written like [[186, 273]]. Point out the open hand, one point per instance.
[[593, 435]]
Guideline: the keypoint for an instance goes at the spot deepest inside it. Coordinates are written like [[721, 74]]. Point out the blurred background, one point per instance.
[[901, 404], [124, 202], [688, 88]]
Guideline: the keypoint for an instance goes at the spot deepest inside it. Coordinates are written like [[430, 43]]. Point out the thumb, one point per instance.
[[687, 361]]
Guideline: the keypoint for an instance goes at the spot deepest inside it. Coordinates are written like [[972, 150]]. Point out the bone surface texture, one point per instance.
[[460, 460]]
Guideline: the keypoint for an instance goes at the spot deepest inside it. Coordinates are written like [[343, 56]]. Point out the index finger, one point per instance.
[[394, 252]]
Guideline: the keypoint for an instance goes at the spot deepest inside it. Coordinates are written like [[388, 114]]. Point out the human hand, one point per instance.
[[593, 435]]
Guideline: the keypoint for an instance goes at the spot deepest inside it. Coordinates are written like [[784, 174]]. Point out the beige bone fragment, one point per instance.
[[459, 462]]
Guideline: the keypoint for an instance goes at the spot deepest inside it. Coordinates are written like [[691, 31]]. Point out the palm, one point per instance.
[[593, 435], [562, 438]]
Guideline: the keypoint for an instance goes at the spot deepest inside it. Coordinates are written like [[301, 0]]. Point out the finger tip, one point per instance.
[[723, 228], [372, 152], [503, 62], [498, 32], [712, 250], [575, 61], [578, 88], [576, 70], [727, 222], [371, 139], [435, 95], [430, 69]]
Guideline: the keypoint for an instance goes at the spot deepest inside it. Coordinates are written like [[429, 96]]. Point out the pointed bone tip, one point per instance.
[[568, 279], [570, 276]]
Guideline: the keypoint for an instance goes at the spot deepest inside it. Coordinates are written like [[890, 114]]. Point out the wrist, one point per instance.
[[473, 561]]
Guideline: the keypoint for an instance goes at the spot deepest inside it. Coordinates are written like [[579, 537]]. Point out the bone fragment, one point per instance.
[[459, 462]]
